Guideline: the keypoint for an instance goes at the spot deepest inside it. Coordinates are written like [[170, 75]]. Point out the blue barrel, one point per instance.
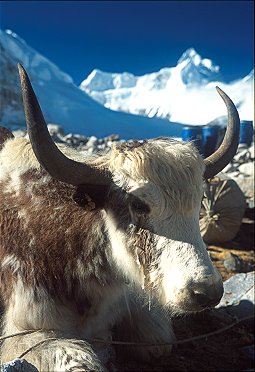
[[194, 134], [210, 139], [246, 132]]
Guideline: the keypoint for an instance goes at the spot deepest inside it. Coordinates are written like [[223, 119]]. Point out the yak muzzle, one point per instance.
[[200, 295]]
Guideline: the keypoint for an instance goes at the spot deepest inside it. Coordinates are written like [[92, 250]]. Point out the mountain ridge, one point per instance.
[[164, 93]]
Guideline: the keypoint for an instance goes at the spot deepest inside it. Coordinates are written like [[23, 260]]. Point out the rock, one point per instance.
[[238, 298], [87, 145], [109, 143], [56, 129], [241, 170], [76, 140], [18, 365], [233, 262], [92, 141], [19, 133], [245, 178]]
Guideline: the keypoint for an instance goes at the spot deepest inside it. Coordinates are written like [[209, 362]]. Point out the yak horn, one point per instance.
[[225, 153], [49, 156]]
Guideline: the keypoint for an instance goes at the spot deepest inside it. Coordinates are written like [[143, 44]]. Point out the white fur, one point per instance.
[[169, 179], [129, 267]]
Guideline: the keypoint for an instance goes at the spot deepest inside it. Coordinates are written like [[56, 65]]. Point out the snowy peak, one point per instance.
[[165, 93], [14, 50], [100, 81], [19, 51], [196, 71], [190, 56], [191, 70]]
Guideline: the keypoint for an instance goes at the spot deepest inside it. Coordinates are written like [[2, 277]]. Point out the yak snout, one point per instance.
[[201, 295], [207, 293]]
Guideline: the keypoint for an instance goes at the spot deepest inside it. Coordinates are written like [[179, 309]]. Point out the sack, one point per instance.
[[222, 210]]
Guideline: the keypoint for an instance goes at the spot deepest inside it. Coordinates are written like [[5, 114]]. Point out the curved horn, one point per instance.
[[225, 153], [49, 156]]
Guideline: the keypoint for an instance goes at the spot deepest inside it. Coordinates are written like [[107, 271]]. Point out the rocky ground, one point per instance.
[[231, 349]]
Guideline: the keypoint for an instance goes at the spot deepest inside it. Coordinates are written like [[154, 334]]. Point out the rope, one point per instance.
[[18, 334], [36, 345], [199, 337], [205, 335]]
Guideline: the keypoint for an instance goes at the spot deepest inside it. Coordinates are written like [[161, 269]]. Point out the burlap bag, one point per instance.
[[222, 210]]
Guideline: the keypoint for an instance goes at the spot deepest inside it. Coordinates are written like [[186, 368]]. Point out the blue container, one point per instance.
[[210, 139], [246, 132], [194, 134]]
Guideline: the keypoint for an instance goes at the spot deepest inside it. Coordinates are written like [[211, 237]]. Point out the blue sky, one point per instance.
[[134, 36]]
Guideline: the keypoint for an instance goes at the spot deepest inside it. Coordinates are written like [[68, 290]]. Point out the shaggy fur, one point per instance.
[[77, 261]]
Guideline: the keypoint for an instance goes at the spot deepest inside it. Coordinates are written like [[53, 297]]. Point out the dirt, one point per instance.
[[220, 352]]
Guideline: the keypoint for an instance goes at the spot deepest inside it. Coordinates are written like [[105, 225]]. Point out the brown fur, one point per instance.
[[54, 233]]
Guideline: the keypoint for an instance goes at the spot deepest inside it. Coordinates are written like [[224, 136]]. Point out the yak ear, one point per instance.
[[91, 197]]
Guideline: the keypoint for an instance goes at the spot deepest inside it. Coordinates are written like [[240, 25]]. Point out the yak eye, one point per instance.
[[140, 207]]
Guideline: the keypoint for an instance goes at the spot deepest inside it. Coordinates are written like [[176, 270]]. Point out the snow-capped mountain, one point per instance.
[[184, 93], [61, 100]]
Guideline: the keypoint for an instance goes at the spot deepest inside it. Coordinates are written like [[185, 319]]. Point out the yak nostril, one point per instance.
[[208, 295], [207, 292], [204, 300]]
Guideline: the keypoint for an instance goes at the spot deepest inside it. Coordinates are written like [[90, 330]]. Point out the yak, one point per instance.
[[100, 244]]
